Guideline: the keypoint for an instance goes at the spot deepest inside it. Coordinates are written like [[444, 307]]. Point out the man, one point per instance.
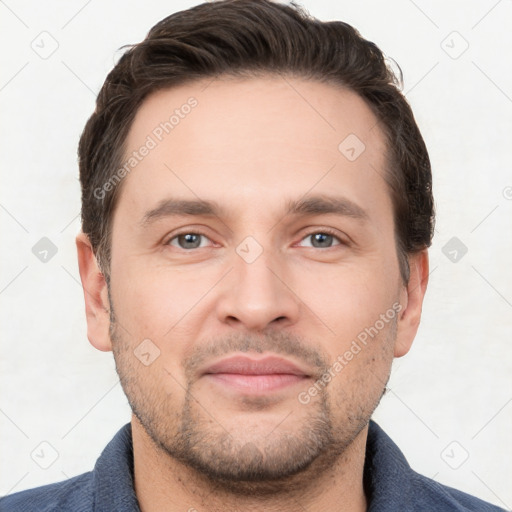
[[256, 214]]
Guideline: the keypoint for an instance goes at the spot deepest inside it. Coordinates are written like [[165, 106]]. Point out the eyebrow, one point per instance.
[[323, 204], [312, 205]]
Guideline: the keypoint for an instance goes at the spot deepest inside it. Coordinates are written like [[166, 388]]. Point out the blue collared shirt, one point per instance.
[[390, 484]]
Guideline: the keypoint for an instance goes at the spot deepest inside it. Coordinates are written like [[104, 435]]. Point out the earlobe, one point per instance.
[[95, 295], [412, 301]]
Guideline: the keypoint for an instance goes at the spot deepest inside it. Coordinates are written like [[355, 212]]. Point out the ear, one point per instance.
[[95, 295], [411, 299]]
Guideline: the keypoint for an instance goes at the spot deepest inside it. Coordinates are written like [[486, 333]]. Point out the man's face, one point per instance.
[[246, 308]]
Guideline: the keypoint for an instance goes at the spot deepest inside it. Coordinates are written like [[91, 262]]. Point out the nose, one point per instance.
[[258, 295]]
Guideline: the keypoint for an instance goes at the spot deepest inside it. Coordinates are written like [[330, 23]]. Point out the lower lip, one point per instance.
[[256, 383]]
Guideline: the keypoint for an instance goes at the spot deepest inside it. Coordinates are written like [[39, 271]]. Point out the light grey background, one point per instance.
[[450, 403]]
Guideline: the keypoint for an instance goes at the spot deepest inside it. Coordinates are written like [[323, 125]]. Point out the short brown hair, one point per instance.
[[248, 38]]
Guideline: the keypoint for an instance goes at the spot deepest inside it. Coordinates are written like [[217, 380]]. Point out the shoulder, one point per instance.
[[109, 486], [73, 494], [394, 485], [431, 495]]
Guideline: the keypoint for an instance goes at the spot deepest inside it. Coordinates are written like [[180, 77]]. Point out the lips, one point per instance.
[[242, 373], [243, 365]]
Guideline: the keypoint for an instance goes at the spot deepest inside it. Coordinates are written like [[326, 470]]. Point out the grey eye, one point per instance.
[[187, 240], [321, 240]]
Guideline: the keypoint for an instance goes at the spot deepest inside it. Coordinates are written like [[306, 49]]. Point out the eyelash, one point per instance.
[[325, 231]]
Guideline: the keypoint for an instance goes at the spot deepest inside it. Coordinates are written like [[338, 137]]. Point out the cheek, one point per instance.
[[355, 305], [141, 306], [363, 370], [148, 299], [150, 346], [349, 298], [166, 305]]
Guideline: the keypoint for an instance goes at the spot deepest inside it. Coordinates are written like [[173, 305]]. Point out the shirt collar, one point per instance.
[[113, 475], [387, 474]]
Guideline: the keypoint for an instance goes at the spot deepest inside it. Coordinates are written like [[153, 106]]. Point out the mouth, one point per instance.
[[255, 376]]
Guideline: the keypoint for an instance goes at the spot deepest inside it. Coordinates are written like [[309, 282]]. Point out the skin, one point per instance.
[[251, 145]]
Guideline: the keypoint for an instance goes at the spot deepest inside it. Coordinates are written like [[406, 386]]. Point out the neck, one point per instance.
[[163, 484]]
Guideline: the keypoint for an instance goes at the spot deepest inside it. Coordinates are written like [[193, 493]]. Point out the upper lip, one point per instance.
[[245, 365]]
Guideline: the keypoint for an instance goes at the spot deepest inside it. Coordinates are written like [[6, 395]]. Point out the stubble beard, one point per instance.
[[259, 465]]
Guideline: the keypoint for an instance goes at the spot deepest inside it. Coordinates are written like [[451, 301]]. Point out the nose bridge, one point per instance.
[[255, 294]]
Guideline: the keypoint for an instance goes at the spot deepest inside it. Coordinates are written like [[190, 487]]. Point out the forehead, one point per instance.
[[266, 137]]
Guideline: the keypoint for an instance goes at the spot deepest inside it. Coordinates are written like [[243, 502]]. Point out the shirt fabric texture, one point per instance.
[[390, 484]]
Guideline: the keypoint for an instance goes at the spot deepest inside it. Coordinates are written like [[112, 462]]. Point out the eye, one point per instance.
[[322, 240], [318, 240], [188, 240]]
